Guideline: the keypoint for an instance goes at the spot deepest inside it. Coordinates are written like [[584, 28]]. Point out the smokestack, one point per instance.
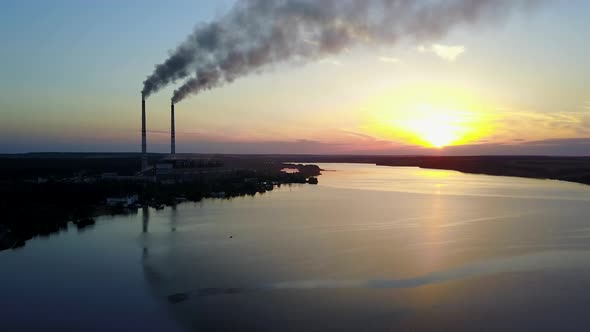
[[144, 161], [172, 131]]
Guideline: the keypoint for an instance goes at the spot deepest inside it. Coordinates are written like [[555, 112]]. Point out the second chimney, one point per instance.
[[144, 161], [172, 131]]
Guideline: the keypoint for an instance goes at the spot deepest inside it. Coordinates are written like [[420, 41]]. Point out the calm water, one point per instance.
[[369, 248]]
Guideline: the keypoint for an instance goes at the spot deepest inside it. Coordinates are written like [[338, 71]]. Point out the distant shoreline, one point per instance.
[[489, 174], [570, 169], [548, 169]]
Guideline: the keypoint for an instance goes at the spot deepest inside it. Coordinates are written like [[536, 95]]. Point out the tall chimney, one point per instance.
[[172, 131], [144, 160]]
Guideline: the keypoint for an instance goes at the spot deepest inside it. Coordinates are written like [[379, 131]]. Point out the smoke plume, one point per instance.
[[255, 34]]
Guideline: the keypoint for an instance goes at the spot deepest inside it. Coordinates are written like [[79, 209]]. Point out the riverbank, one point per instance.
[[44, 201], [571, 169]]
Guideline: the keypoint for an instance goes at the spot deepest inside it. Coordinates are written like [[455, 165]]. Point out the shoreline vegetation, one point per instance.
[[42, 193]]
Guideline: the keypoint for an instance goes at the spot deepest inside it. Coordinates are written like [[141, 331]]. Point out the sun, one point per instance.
[[431, 117], [431, 126]]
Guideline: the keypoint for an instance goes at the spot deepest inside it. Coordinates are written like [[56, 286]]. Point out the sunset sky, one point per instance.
[[72, 72]]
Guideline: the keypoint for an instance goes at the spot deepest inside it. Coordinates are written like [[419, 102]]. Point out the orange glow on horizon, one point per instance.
[[432, 117]]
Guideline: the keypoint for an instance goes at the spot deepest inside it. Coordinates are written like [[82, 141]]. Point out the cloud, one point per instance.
[[583, 141], [445, 52], [537, 125], [553, 147], [332, 62], [363, 136], [388, 59]]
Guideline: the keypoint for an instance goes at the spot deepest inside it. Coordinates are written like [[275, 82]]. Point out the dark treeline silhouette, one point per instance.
[[42, 195], [68, 164]]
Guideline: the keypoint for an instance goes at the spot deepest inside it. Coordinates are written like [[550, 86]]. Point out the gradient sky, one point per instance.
[[72, 71]]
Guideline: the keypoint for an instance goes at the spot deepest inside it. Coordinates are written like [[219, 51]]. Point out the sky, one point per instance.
[[71, 73]]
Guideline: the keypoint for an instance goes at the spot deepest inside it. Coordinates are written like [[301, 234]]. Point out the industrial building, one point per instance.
[[174, 168]]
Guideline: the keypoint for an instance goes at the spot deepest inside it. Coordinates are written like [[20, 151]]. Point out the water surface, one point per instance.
[[369, 248]]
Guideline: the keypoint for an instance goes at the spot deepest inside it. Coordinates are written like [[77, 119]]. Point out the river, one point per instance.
[[369, 248]]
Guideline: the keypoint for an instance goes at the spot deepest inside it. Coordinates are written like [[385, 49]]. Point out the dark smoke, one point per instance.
[[259, 33]]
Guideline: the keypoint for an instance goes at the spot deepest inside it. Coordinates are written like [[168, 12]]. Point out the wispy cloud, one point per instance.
[[445, 52], [332, 62], [539, 125], [388, 59]]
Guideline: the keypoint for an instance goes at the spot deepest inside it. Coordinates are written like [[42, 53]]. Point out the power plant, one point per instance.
[[170, 169], [144, 158]]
